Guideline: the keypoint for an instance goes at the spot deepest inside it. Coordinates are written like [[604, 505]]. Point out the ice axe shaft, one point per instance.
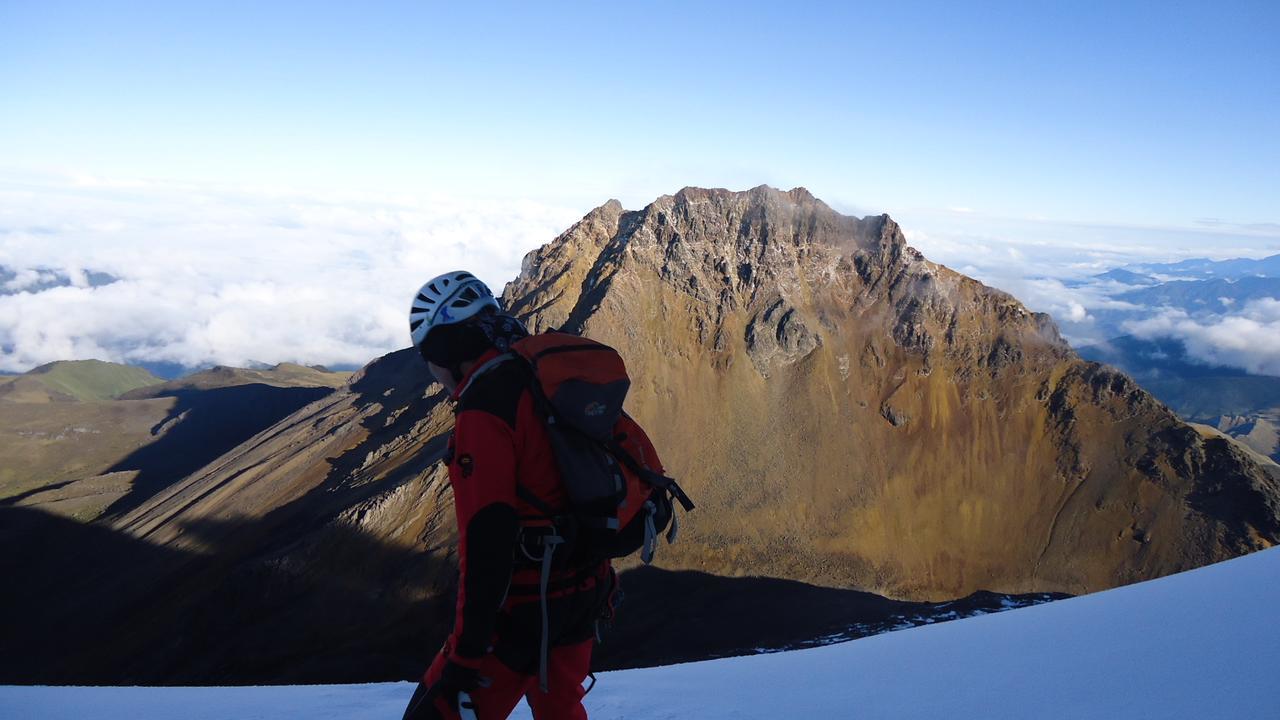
[[466, 706]]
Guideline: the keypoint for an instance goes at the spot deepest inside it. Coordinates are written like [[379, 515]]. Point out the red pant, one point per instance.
[[566, 669]]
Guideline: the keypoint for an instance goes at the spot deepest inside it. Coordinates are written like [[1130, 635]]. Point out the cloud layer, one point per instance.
[[1249, 339], [195, 275], [1053, 267], [209, 275]]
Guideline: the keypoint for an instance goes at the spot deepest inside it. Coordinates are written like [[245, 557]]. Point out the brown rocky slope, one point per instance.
[[850, 413], [83, 438], [845, 412]]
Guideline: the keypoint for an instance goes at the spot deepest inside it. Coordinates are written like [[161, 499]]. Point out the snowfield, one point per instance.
[[1201, 644]]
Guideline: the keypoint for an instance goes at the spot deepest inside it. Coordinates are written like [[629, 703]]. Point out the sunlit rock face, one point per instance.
[[849, 413]]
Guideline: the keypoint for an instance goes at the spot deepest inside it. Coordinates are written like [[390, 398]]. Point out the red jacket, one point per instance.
[[499, 439]]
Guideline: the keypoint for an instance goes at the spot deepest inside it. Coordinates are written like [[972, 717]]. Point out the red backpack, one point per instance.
[[618, 502]]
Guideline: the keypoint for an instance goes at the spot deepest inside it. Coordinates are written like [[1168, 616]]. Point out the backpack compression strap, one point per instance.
[[655, 479]]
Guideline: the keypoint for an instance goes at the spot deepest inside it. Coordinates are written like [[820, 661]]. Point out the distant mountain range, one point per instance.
[[1195, 297], [1156, 360], [1204, 268], [1206, 293], [1242, 406], [1201, 289], [1189, 271]]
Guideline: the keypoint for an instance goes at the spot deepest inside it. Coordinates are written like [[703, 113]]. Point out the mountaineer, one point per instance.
[[550, 480]]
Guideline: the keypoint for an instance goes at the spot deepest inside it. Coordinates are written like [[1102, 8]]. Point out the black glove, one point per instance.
[[455, 678]]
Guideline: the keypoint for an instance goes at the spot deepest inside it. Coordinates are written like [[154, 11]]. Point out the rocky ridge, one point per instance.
[[852, 413]]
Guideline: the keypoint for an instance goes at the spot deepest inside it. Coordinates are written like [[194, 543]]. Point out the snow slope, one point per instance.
[[1201, 644]]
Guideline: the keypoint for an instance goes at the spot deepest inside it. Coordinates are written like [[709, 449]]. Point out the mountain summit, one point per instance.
[[845, 412], [851, 413]]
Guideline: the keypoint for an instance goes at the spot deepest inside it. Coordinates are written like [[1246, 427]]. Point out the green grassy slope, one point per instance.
[[84, 380], [281, 376]]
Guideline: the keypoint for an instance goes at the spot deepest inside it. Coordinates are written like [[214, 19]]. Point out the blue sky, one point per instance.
[[1155, 113], [1008, 138]]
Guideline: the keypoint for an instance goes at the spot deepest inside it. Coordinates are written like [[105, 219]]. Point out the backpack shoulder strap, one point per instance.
[[538, 503], [480, 371]]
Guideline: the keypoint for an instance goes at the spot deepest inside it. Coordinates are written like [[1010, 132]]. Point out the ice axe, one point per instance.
[[466, 706]]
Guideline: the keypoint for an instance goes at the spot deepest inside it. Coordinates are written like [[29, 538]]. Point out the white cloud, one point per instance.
[[1075, 249], [29, 278], [1249, 340], [232, 275]]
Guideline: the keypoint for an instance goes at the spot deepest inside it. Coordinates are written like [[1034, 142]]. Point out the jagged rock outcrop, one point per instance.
[[844, 411], [851, 413]]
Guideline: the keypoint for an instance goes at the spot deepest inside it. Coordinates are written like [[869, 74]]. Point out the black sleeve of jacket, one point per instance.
[[483, 476], [491, 543]]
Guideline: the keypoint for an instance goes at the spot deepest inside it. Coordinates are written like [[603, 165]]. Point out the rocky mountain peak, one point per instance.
[[784, 257], [762, 320]]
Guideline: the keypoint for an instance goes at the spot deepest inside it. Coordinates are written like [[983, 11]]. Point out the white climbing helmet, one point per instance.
[[447, 299]]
